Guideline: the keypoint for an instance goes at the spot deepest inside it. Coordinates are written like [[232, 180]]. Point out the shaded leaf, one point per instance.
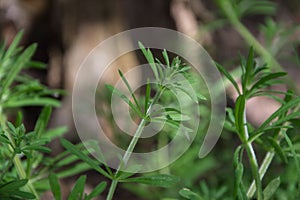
[[159, 180], [228, 76], [55, 187], [188, 194], [97, 191], [271, 188], [70, 147], [78, 189]]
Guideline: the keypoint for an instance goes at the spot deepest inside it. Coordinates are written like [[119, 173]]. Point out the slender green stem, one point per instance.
[[112, 189], [266, 162], [22, 174], [245, 33], [262, 171], [126, 157], [132, 145], [252, 158], [254, 169], [226, 6]]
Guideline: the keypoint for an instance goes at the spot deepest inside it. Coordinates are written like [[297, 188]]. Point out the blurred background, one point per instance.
[[67, 30]]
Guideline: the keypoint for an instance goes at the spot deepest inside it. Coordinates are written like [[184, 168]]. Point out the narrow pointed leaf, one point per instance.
[[267, 78], [188, 194], [129, 89], [55, 187], [42, 121], [249, 69], [279, 111], [31, 102], [166, 57], [97, 191], [147, 96], [70, 147], [229, 77], [159, 180], [125, 99], [13, 185], [149, 57], [277, 149], [13, 45], [78, 189], [18, 65], [271, 188], [239, 113]]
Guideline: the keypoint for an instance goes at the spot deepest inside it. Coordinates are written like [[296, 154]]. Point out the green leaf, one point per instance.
[[4, 139], [295, 157], [248, 70], [55, 187], [42, 121], [188, 194], [187, 90], [129, 88], [239, 114], [23, 195], [256, 7], [72, 148], [166, 57], [74, 170], [38, 148], [148, 55], [160, 68], [277, 113], [229, 77], [36, 65], [133, 170], [37, 101], [17, 66], [125, 99], [97, 191], [55, 132], [238, 172], [2, 50], [13, 46], [19, 118], [271, 188], [264, 80], [11, 190], [78, 189], [13, 185], [277, 149], [159, 180], [177, 116], [147, 96]]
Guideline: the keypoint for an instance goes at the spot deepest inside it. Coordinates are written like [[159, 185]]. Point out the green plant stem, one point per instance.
[[226, 6], [16, 160], [252, 158], [112, 189], [266, 162], [132, 145], [264, 166], [262, 171], [22, 175], [245, 33], [126, 157]]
